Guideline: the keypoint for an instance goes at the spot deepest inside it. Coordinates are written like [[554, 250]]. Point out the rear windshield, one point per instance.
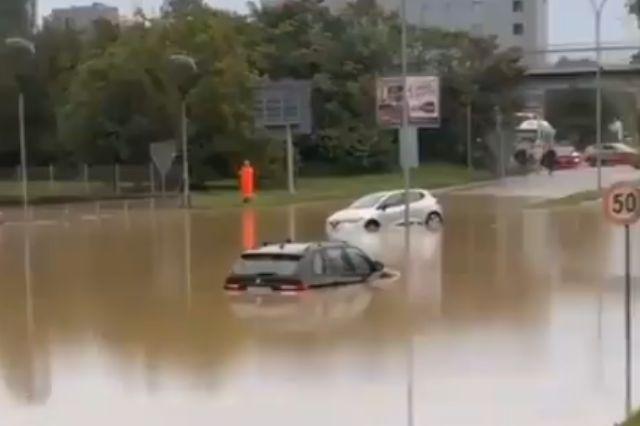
[[267, 265]]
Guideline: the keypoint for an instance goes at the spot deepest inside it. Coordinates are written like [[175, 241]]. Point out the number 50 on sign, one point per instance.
[[622, 204]]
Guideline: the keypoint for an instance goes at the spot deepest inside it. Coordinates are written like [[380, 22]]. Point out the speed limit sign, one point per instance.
[[622, 206], [622, 203]]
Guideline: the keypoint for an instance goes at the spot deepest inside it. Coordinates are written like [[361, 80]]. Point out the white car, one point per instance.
[[375, 211]]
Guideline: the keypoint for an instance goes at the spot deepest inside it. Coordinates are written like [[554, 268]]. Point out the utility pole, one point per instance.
[[24, 51], [405, 128], [469, 137], [186, 194], [499, 120], [598, 8], [404, 134]]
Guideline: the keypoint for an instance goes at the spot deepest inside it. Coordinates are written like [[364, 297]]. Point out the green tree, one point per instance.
[[299, 41], [634, 7], [182, 7], [571, 112], [122, 97]]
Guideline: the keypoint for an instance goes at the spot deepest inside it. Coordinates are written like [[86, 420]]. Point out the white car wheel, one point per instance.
[[434, 220], [372, 226]]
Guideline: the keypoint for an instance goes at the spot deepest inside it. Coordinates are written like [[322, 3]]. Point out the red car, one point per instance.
[[567, 157]]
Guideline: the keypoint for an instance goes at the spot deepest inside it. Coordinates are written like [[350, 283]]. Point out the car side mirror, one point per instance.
[[383, 207], [378, 266]]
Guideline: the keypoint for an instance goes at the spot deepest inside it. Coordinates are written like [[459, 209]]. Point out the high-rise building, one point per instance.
[[17, 17], [515, 23], [32, 13], [81, 18]]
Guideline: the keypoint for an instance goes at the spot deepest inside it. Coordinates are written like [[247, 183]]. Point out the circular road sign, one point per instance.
[[622, 203]]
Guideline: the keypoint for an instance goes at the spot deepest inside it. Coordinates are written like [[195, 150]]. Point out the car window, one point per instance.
[[608, 147], [337, 262], [360, 262], [368, 201], [394, 200], [318, 264], [415, 196], [267, 264]]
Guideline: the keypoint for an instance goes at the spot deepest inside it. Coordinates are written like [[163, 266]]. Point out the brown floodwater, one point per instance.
[[115, 315]]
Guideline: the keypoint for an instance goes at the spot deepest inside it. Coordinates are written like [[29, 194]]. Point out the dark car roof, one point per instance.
[[293, 248]]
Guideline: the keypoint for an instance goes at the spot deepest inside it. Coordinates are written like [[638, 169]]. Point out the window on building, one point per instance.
[[518, 28], [518, 5]]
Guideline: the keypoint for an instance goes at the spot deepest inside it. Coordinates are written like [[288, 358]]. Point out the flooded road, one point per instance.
[[508, 316]]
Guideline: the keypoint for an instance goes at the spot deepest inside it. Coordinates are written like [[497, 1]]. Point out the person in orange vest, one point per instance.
[[247, 181]]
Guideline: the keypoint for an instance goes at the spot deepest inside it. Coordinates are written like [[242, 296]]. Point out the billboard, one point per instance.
[[283, 103], [423, 98]]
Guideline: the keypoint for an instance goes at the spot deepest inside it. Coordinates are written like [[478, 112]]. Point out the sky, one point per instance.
[[570, 21]]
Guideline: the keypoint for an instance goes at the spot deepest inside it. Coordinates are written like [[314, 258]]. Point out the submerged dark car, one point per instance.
[[296, 267]]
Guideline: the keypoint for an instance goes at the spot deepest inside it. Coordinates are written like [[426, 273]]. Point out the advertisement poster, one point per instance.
[[423, 96]]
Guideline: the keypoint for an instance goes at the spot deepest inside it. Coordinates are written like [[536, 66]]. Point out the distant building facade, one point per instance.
[[515, 23], [81, 18], [17, 18]]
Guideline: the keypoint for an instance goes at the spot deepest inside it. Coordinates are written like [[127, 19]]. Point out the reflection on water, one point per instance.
[[124, 316], [249, 229], [310, 311]]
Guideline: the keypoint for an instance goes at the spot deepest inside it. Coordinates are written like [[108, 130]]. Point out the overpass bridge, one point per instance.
[[615, 78]]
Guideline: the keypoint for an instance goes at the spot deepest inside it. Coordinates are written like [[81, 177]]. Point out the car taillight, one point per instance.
[[292, 288], [234, 285]]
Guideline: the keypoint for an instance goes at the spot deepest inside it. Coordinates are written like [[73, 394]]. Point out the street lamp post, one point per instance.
[[183, 70], [186, 192], [598, 8], [24, 51], [469, 137], [468, 100], [404, 131]]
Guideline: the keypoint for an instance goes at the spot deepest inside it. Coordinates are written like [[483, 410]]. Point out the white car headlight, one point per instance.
[[352, 220], [337, 222]]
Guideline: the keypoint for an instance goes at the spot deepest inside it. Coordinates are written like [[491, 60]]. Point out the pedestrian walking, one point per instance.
[[548, 160]]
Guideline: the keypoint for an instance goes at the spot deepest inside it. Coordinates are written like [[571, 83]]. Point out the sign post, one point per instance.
[[284, 105], [408, 103], [162, 154], [621, 205], [290, 179]]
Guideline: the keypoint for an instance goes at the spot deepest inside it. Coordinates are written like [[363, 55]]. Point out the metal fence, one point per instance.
[[91, 180]]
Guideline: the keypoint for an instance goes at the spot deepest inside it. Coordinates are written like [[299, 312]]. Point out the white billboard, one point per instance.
[[423, 94]]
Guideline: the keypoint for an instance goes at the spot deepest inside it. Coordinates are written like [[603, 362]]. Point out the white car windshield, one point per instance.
[[368, 201]]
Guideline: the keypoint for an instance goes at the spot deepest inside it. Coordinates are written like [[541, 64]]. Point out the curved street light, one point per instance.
[[22, 52], [183, 71]]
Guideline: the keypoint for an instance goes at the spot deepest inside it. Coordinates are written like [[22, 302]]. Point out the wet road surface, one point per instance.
[[508, 316], [561, 184]]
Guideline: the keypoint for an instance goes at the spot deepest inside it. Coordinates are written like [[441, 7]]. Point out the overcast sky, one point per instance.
[[571, 21]]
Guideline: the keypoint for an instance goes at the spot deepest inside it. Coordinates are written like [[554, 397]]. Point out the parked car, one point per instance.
[[290, 268], [612, 154], [387, 208]]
